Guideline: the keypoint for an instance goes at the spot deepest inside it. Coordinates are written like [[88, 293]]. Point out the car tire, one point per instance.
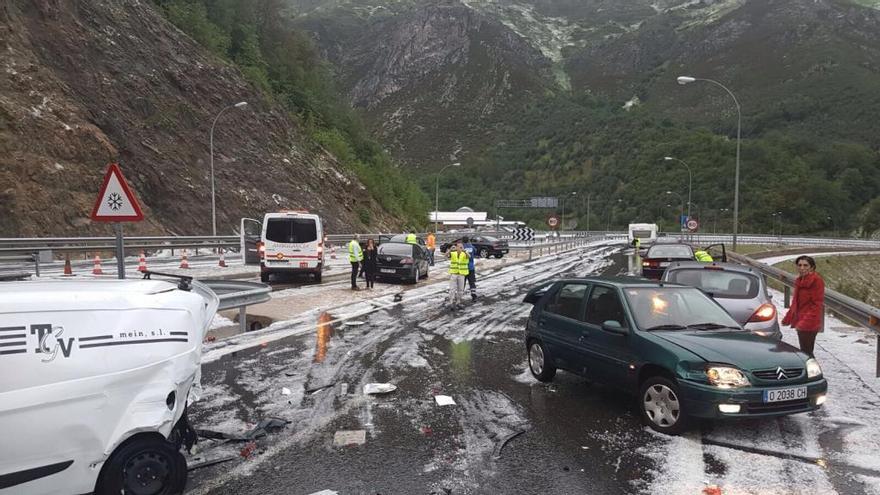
[[483, 253], [148, 464], [264, 277], [539, 362], [318, 277], [661, 406], [499, 256]]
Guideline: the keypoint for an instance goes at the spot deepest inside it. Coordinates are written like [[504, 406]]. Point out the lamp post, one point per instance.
[[213, 200], [588, 196], [690, 180], [833, 224], [573, 193], [681, 209], [437, 193], [687, 80]]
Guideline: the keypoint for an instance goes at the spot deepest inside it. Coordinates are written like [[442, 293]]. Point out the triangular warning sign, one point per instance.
[[116, 202]]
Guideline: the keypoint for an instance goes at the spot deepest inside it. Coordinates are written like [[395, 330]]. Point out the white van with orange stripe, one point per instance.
[[291, 242]]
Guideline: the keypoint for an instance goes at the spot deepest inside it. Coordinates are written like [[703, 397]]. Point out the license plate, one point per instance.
[[277, 261], [387, 270], [785, 394], [303, 264], [664, 264]]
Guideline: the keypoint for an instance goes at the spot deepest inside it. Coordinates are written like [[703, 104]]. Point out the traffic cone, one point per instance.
[[68, 272], [97, 269], [183, 261], [222, 260], [142, 263]]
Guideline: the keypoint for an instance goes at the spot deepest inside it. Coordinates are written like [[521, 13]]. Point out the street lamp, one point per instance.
[[213, 201], [687, 80], [437, 193], [833, 224], [573, 193], [690, 180]]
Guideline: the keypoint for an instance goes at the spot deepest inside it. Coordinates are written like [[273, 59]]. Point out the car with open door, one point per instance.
[[676, 349], [660, 256]]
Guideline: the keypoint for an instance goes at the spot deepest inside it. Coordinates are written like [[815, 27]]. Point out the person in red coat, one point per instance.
[[807, 311]]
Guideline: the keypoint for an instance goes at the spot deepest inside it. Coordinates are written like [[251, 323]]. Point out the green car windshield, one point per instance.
[[672, 308]]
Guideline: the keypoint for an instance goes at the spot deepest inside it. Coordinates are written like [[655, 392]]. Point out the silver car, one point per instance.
[[738, 289]]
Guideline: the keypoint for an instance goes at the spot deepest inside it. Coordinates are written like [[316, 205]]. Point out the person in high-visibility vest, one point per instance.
[[703, 256], [431, 244], [411, 238], [355, 256], [458, 261], [471, 275]]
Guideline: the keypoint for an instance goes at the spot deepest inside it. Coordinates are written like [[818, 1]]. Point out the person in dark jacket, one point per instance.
[[370, 260], [807, 311]]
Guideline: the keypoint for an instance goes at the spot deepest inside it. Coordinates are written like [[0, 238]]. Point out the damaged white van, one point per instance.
[[95, 377]]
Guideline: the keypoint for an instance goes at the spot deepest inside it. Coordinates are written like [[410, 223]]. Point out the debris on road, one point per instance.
[[262, 429], [354, 323], [319, 388], [343, 389], [503, 442], [712, 490], [325, 492], [444, 400], [398, 297], [379, 388], [344, 438], [285, 391], [199, 463], [248, 450]]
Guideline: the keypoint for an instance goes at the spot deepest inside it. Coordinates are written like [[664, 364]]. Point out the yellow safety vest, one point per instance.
[[355, 253], [411, 239], [703, 256], [458, 263]]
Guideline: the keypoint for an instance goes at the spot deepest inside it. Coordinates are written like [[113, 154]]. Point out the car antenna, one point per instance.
[[185, 281]]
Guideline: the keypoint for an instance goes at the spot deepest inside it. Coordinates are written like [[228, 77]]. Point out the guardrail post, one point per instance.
[[530, 253], [787, 299], [242, 319], [37, 264]]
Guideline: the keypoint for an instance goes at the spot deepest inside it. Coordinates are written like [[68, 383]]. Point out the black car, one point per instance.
[[660, 256], [484, 246], [401, 261]]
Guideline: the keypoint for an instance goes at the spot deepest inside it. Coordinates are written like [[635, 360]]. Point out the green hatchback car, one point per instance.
[[673, 345]]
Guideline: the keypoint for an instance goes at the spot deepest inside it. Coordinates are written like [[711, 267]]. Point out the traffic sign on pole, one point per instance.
[[553, 221], [693, 224], [116, 202]]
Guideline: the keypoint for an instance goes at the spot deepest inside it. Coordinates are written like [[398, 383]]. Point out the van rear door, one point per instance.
[[293, 241]]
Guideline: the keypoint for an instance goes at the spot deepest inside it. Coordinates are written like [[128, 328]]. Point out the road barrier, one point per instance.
[[858, 312], [238, 294]]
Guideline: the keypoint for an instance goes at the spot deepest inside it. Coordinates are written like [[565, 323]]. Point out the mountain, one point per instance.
[[806, 72], [88, 83]]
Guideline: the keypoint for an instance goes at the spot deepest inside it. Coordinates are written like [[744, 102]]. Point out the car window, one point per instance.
[[683, 306], [719, 283], [604, 305], [670, 251], [567, 301], [395, 249], [291, 230]]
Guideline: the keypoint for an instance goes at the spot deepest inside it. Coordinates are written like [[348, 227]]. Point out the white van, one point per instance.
[[291, 242], [646, 233], [95, 377]]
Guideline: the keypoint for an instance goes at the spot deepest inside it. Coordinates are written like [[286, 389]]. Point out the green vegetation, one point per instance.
[[856, 276], [590, 146], [256, 36]]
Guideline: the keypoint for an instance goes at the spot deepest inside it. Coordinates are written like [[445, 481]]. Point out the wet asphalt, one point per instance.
[[507, 433]]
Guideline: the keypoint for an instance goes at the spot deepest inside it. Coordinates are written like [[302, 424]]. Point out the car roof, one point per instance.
[[733, 267], [623, 282], [396, 242]]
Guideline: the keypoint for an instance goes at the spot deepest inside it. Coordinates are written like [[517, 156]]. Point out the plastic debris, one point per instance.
[[262, 429], [343, 389], [285, 391], [444, 400], [325, 492], [398, 297], [201, 463], [354, 323], [319, 388], [344, 438], [712, 490], [500, 445], [248, 450], [379, 388]]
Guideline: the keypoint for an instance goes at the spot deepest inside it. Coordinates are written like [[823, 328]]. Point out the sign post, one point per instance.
[[116, 203]]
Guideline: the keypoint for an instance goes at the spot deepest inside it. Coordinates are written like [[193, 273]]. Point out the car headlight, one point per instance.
[[726, 377], [813, 368]]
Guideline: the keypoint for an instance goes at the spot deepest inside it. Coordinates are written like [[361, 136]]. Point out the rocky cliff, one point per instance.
[[86, 83]]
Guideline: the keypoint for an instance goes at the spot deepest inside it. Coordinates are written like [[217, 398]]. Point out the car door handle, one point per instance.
[[583, 337]]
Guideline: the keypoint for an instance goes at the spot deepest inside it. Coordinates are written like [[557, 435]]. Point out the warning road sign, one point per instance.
[[116, 202]]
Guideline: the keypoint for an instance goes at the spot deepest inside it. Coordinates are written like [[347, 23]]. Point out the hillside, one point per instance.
[[88, 83]]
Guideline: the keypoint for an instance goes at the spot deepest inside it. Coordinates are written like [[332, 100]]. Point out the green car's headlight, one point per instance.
[[726, 377], [813, 368]]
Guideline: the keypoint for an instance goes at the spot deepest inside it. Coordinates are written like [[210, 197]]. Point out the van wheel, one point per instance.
[[144, 466], [539, 363], [318, 277], [264, 277], [661, 406]]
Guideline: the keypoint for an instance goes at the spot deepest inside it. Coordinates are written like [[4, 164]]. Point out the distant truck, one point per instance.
[[646, 233]]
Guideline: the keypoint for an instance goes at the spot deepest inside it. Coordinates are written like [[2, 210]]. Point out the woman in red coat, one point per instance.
[[807, 311]]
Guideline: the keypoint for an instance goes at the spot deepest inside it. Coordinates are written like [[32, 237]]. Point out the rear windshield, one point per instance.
[[671, 251], [396, 249], [718, 283], [643, 234], [490, 239], [291, 230]]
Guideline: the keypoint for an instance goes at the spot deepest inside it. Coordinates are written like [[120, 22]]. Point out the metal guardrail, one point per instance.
[[79, 244], [238, 294], [860, 313]]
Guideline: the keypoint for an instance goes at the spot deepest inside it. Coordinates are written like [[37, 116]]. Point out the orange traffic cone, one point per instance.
[[68, 272], [222, 260], [183, 261], [97, 269], [142, 263]]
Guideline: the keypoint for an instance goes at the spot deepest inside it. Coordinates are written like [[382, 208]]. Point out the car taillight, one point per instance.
[[320, 248], [650, 263], [261, 249], [765, 312], [406, 261]]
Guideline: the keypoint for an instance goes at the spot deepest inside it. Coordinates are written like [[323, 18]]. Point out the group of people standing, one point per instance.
[[363, 261]]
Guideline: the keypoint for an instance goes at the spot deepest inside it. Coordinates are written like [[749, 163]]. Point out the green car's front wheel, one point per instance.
[[661, 405]]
